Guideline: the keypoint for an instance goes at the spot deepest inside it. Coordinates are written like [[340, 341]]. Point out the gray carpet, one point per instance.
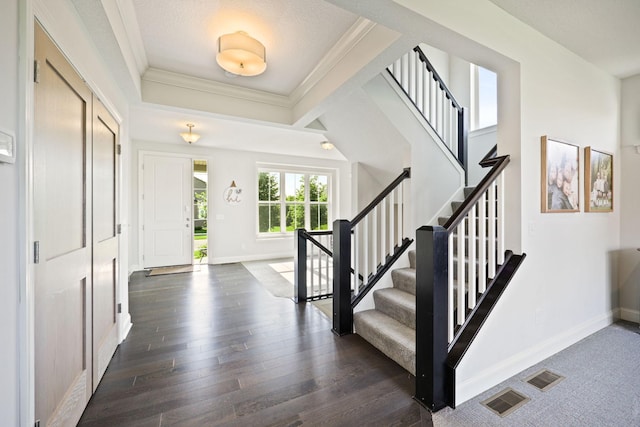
[[601, 388], [276, 275]]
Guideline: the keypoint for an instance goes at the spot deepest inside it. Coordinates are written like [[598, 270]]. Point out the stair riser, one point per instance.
[[403, 314], [404, 281]]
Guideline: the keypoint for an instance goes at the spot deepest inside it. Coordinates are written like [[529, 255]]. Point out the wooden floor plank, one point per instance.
[[215, 348]]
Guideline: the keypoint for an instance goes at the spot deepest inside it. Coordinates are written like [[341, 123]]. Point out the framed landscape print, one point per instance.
[[560, 177], [598, 181]]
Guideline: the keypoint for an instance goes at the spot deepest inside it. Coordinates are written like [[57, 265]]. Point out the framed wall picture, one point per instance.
[[598, 181], [560, 177]]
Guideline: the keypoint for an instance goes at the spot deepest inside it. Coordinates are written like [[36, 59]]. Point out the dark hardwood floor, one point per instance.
[[215, 348]]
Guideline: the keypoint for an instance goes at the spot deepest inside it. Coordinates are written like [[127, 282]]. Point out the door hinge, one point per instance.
[[119, 149], [36, 252], [36, 71], [119, 307], [119, 229]]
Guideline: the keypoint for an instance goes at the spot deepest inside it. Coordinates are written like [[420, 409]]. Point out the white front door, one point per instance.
[[167, 204]]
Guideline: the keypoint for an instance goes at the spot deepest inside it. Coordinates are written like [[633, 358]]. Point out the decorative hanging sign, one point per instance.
[[232, 194]]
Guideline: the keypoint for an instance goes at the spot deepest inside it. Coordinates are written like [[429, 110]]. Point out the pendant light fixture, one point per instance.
[[190, 137]]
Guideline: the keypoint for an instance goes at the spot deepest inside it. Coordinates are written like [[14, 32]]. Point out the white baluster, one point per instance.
[[491, 258], [383, 229], [420, 87], [400, 212], [374, 238], [365, 248], [404, 82], [433, 92], [412, 76], [500, 213], [311, 250], [482, 243], [392, 220], [461, 285], [471, 241]]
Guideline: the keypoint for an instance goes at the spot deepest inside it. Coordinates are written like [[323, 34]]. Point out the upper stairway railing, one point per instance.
[[347, 262], [425, 88], [462, 268]]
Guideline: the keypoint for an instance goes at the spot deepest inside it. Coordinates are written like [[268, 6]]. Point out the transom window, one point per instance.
[[288, 200]]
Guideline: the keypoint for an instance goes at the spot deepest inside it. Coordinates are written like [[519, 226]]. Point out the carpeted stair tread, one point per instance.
[[397, 304], [404, 279], [391, 337]]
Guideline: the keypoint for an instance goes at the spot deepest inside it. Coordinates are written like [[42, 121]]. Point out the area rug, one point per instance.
[[276, 276], [174, 269]]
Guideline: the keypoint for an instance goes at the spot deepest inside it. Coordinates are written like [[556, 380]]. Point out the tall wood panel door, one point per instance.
[[167, 207], [105, 238], [62, 232]]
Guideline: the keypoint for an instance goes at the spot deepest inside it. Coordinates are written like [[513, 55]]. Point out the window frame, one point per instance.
[[475, 98], [307, 172]]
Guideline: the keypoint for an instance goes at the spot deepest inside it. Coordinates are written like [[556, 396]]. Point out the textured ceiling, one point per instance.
[[604, 32], [181, 36]]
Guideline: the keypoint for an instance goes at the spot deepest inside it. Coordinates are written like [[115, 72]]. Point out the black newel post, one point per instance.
[[300, 265], [342, 312], [432, 249]]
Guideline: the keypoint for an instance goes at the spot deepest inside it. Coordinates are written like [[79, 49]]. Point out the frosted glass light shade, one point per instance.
[[190, 137], [240, 54]]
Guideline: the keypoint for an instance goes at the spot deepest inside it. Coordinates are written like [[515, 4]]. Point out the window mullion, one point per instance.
[[283, 204], [307, 209]]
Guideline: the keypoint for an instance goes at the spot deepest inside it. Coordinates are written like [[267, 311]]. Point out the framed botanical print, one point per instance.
[[598, 181], [559, 176]]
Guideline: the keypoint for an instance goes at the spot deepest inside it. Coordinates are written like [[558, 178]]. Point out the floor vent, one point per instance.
[[505, 402], [544, 379]]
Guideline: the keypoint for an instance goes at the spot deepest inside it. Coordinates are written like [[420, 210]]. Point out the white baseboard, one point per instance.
[[500, 371], [630, 315], [125, 327], [244, 258]]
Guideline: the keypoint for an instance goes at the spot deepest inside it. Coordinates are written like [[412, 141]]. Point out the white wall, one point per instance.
[[9, 284], [233, 228], [480, 142], [629, 204], [436, 176], [566, 287]]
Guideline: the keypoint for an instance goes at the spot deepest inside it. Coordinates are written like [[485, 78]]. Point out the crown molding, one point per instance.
[[342, 48], [209, 86], [130, 26]]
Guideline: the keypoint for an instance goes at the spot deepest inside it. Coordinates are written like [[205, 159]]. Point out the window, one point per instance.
[[484, 93], [293, 199]]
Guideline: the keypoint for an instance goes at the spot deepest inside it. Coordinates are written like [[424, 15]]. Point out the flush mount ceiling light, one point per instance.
[[326, 145], [190, 136], [241, 54]]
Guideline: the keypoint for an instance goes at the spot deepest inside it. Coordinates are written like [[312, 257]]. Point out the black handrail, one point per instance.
[[499, 164], [406, 173], [437, 77], [491, 154], [309, 236]]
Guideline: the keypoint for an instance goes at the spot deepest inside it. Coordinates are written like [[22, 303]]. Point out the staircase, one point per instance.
[[428, 319], [391, 326]]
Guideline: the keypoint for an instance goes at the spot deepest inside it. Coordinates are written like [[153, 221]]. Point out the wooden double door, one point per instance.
[[75, 194]]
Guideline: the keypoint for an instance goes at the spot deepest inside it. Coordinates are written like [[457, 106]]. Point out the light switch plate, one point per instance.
[[7, 148]]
